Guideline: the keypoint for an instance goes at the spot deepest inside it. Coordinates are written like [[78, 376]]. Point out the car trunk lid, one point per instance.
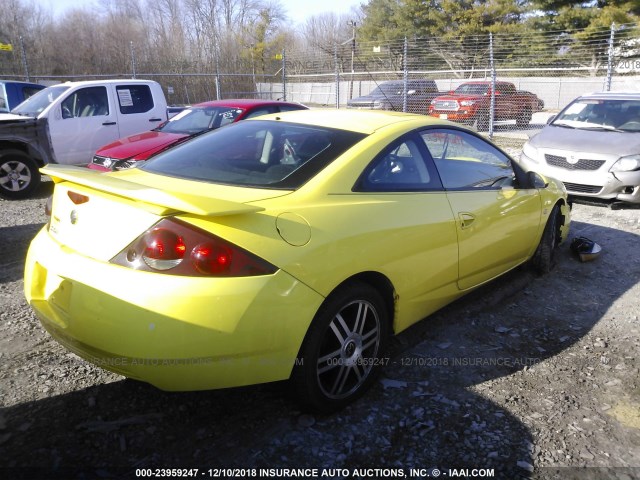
[[98, 215]]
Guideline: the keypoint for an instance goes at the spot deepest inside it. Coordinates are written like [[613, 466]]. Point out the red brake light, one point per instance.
[[163, 249], [177, 248]]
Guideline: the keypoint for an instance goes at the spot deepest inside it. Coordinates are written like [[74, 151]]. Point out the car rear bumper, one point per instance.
[[177, 333]]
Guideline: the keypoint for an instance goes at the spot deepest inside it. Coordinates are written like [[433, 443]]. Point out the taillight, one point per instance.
[[163, 249], [177, 248]]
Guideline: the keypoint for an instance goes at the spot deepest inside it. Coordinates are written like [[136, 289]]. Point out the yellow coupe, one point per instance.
[[285, 247]]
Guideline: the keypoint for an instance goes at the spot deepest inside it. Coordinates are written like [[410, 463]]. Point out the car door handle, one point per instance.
[[109, 123], [155, 119], [466, 219]]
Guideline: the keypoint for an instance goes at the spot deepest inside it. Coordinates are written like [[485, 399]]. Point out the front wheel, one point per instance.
[[19, 174], [342, 352], [481, 121], [545, 257], [524, 118]]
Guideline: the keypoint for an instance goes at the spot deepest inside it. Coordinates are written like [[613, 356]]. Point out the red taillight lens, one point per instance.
[[210, 259], [163, 249], [177, 248]]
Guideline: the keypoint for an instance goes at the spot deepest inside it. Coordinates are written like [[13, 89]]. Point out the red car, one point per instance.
[[200, 118]]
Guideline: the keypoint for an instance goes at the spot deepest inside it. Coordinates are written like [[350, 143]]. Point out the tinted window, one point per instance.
[[134, 98], [258, 153], [260, 111], [400, 167], [86, 102], [290, 108], [465, 161]]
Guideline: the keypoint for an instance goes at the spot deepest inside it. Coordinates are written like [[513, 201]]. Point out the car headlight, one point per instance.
[[467, 103], [530, 152], [626, 164], [105, 162]]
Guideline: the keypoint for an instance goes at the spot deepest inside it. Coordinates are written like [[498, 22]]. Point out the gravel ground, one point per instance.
[[531, 377]]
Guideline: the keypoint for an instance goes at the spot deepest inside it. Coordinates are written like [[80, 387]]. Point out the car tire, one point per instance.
[[19, 174], [544, 258], [341, 354], [524, 118], [481, 121]]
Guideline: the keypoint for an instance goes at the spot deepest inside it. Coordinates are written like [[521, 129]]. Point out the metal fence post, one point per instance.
[[405, 76], [218, 85], [24, 60], [492, 103], [133, 59], [607, 83], [284, 75], [335, 62]]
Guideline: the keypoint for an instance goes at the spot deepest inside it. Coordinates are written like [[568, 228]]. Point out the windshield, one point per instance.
[[472, 89], [257, 153], [603, 114], [197, 119], [34, 105], [388, 89]]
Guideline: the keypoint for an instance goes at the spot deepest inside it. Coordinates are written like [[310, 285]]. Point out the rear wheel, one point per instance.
[[342, 352], [19, 174], [524, 118], [545, 257]]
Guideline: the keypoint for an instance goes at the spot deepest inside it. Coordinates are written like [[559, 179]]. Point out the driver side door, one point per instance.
[[84, 121], [497, 221]]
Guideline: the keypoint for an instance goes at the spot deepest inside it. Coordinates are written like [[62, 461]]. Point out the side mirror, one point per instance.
[[498, 93], [550, 119], [451, 92], [536, 181]]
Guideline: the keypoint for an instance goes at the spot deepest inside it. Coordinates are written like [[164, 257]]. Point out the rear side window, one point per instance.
[[134, 98], [259, 153]]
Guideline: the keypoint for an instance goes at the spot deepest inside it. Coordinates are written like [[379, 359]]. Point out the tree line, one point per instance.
[[248, 36]]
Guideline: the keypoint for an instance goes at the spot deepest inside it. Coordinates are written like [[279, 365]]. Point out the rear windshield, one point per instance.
[[197, 119], [259, 153]]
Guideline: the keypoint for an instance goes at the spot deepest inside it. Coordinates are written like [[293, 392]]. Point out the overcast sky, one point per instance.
[[297, 10]]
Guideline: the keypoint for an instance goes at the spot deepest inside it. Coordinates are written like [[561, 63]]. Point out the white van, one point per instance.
[[67, 123]]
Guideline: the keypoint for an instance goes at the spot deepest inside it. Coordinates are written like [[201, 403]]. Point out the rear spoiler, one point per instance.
[[170, 202]]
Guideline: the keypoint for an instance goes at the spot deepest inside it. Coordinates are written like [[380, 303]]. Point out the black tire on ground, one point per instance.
[[544, 259], [481, 121], [19, 174], [524, 118], [341, 354]]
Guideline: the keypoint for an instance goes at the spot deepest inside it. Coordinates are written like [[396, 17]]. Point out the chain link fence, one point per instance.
[[506, 84]]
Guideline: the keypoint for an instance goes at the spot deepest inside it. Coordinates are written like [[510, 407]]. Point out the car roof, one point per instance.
[[244, 103], [612, 96], [20, 82], [361, 121], [119, 81]]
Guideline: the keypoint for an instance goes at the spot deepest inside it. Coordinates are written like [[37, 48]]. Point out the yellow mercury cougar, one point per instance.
[[286, 247]]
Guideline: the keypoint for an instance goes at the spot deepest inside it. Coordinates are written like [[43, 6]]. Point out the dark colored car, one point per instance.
[[191, 121], [390, 96]]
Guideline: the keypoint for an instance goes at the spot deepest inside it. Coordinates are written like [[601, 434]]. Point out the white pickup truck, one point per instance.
[[67, 123]]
